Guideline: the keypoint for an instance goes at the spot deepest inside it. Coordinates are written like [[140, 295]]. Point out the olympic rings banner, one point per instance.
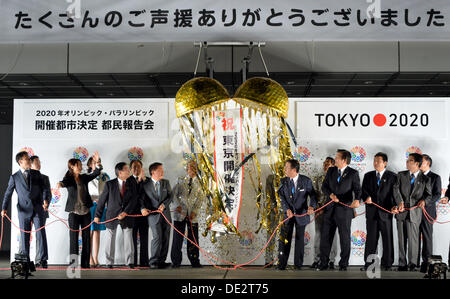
[[58, 21]]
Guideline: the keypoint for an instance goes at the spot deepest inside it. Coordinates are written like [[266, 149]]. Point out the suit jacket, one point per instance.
[[116, 204], [297, 202], [29, 198], [150, 200], [138, 189], [69, 183], [47, 185], [189, 202], [402, 193], [346, 190], [382, 195], [436, 188]]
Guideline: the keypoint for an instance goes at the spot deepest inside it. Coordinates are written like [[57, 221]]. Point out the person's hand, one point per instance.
[[310, 211], [96, 157], [394, 210], [355, 204], [161, 207], [319, 212], [334, 197], [3, 213], [401, 207], [421, 204], [192, 216], [122, 215], [178, 209], [369, 200], [289, 213], [97, 220], [45, 205], [444, 200], [142, 176], [145, 212]]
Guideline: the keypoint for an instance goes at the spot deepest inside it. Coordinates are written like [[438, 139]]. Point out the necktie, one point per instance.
[[26, 175], [339, 175], [157, 188], [190, 185], [122, 191], [292, 186], [378, 178], [413, 178]]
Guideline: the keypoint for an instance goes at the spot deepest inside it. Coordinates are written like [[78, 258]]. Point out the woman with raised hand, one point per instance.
[[78, 205]]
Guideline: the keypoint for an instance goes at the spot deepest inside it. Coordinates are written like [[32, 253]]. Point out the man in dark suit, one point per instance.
[[378, 188], [32, 201], [426, 228], [157, 195], [341, 184], [122, 200], [294, 192], [140, 223], [412, 189], [36, 165]]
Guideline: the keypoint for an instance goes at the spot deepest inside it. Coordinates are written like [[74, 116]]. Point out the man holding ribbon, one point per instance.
[[411, 192], [342, 186], [294, 192]]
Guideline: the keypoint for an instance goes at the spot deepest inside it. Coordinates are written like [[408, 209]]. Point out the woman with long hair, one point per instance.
[[78, 205]]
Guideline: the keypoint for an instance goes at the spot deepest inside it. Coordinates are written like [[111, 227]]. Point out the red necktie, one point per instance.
[[122, 191]]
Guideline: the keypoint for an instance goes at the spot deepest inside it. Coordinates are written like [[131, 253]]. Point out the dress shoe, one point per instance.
[[131, 266], [424, 267], [154, 266], [363, 268], [315, 265], [297, 267], [386, 268], [196, 265], [281, 268], [109, 266], [322, 268], [176, 266], [412, 267], [163, 265], [42, 264], [331, 266], [342, 268], [402, 268]]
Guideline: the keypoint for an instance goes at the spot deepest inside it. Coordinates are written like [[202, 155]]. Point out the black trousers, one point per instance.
[[78, 222], [375, 227], [141, 227], [426, 246], [285, 248], [330, 223], [177, 242]]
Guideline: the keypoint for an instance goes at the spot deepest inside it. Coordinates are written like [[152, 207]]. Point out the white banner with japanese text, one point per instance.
[[54, 21], [228, 154]]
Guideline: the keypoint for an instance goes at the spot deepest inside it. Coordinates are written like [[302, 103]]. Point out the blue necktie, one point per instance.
[[339, 175], [378, 178], [292, 187], [413, 178]]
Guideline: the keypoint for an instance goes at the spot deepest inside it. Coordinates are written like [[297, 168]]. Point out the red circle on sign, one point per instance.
[[379, 120]]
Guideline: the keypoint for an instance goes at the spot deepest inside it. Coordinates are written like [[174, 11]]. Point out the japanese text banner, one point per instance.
[[201, 20]]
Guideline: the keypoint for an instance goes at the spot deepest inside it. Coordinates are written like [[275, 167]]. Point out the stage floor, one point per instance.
[[206, 272]]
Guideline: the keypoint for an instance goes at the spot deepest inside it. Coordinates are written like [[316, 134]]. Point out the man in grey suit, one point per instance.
[[31, 203], [412, 188], [157, 195]]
